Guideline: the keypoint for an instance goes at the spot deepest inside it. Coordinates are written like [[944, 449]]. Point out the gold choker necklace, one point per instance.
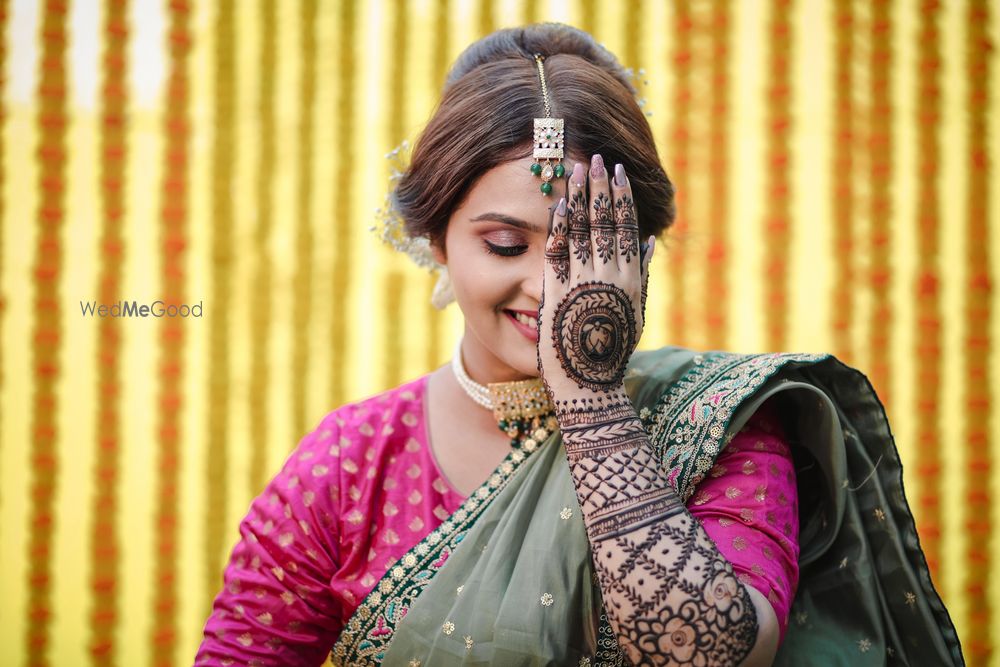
[[522, 407]]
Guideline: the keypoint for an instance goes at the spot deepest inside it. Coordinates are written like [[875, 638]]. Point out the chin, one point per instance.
[[526, 364]]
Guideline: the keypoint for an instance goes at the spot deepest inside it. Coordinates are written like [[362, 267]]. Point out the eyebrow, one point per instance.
[[507, 220]]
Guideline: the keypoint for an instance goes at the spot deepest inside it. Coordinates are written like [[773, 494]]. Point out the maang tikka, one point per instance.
[[548, 139]]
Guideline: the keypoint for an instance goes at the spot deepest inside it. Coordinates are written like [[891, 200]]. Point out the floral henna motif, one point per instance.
[[594, 334], [708, 618], [604, 228], [579, 226], [674, 600], [557, 252], [628, 227]]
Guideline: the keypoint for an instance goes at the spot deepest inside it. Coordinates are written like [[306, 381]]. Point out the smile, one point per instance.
[[526, 324]]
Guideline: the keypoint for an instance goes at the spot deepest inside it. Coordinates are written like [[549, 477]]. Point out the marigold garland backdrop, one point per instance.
[[833, 161]]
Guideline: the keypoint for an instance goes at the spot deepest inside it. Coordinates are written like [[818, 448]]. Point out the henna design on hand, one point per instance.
[[700, 612], [557, 251], [628, 227], [579, 226], [594, 334], [672, 598], [604, 228]]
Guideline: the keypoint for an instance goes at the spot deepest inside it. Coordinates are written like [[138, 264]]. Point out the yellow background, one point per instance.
[[364, 322]]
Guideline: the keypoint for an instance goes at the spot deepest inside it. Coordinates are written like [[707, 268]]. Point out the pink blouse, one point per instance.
[[363, 488]]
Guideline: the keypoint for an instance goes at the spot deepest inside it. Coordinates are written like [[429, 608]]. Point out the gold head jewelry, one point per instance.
[[549, 139]]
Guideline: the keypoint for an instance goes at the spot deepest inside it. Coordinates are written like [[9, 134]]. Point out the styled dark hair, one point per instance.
[[484, 119]]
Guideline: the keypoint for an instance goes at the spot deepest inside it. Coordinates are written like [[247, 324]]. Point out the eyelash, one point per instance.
[[503, 250]]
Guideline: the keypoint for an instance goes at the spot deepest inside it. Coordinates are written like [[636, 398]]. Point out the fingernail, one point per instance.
[[561, 209], [619, 175], [578, 177], [597, 166]]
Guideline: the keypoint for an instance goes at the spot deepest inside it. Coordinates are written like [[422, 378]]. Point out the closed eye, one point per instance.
[[504, 250]]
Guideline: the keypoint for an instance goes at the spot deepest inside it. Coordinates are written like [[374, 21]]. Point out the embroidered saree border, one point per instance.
[[368, 632], [688, 424]]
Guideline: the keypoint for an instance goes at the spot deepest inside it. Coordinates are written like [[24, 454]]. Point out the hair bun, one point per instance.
[[549, 39]]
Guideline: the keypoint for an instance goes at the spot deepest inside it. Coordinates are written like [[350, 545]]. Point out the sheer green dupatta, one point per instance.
[[865, 595], [520, 591]]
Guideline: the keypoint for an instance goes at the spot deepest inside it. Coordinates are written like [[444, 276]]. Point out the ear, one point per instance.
[[437, 249]]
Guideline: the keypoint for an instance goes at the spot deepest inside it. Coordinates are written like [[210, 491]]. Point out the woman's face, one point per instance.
[[494, 251]]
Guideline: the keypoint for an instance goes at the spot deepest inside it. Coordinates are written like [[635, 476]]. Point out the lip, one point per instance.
[[527, 332]]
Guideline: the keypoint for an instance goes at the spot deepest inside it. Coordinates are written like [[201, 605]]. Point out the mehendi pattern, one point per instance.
[[579, 226], [674, 599], [604, 228], [628, 227], [593, 333]]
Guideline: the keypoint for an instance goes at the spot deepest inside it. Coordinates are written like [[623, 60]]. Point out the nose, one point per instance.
[[532, 282]]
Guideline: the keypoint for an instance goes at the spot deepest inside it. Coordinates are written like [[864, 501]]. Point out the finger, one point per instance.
[[579, 222], [602, 220], [626, 222], [557, 246], [647, 257]]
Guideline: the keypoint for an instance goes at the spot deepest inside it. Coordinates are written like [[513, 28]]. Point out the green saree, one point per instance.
[[507, 579]]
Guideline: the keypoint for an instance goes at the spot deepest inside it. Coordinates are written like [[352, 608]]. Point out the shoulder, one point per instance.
[[367, 415]]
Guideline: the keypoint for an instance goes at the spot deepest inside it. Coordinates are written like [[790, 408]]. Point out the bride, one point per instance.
[[552, 496]]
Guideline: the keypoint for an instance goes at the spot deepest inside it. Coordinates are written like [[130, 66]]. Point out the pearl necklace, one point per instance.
[[477, 392]]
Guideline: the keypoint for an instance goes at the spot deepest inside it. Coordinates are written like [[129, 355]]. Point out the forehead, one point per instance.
[[512, 188]]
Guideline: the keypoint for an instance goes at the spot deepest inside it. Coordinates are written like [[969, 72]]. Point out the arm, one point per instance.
[[275, 607], [670, 594]]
